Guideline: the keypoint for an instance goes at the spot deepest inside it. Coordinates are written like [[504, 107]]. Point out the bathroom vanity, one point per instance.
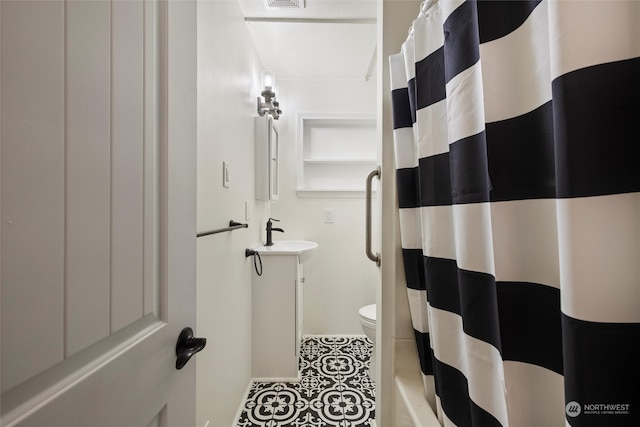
[[277, 310]]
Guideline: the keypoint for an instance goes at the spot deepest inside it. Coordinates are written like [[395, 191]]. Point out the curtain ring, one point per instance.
[[426, 5]]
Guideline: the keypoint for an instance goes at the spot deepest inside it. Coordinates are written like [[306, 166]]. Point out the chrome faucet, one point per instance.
[[270, 229]]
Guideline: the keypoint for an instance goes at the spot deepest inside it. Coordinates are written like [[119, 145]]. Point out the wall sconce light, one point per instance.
[[267, 103]]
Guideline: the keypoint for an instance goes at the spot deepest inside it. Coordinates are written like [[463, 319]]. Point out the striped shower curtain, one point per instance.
[[517, 141]]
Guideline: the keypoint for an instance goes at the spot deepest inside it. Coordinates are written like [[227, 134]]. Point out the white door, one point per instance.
[[98, 137]]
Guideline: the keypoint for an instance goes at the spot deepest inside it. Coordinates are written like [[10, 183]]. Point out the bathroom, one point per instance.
[[229, 81], [84, 89], [101, 270], [338, 278]]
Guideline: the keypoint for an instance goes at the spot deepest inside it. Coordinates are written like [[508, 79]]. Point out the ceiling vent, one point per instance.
[[284, 4]]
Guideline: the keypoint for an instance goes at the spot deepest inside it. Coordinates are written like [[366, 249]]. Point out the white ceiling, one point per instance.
[[328, 39]]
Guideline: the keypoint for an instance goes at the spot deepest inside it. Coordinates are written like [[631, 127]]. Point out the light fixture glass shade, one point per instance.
[[267, 103], [268, 79]]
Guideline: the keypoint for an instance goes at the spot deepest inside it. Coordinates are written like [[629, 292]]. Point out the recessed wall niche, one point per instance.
[[335, 154]]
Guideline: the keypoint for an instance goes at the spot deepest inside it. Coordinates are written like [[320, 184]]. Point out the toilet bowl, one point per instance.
[[368, 322]]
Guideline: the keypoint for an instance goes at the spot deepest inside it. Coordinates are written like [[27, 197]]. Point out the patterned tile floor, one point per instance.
[[335, 389]]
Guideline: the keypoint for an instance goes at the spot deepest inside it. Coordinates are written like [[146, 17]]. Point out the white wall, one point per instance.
[[395, 333], [228, 74], [339, 279]]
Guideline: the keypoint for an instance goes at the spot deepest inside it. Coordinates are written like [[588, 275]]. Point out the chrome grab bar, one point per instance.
[[373, 257]]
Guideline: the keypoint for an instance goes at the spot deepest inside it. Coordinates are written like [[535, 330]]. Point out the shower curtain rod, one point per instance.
[[233, 225]]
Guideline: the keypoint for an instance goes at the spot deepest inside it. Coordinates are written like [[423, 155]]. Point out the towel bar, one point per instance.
[[233, 225]]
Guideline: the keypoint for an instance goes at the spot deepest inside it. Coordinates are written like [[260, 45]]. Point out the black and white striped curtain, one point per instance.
[[517, 136]]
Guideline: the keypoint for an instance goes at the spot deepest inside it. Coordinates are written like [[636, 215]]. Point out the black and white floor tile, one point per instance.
[[335, 389]]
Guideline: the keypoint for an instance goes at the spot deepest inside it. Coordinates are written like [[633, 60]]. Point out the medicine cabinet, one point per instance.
[[267, 175], [335, 154]]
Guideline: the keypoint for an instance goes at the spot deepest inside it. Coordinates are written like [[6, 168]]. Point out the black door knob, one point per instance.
[[187, 346]]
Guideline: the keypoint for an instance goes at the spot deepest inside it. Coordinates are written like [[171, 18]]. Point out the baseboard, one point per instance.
[[242, 403], [278, 379], [334, 335]]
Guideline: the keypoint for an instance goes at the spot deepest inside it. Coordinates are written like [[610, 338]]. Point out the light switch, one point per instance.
[[225, 175], [328, 215]]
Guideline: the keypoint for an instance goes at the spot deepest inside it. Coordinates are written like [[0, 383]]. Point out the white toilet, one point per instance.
[[368, 321]]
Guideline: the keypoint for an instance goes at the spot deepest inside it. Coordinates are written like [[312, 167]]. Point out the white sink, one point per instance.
[[302, 248]]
